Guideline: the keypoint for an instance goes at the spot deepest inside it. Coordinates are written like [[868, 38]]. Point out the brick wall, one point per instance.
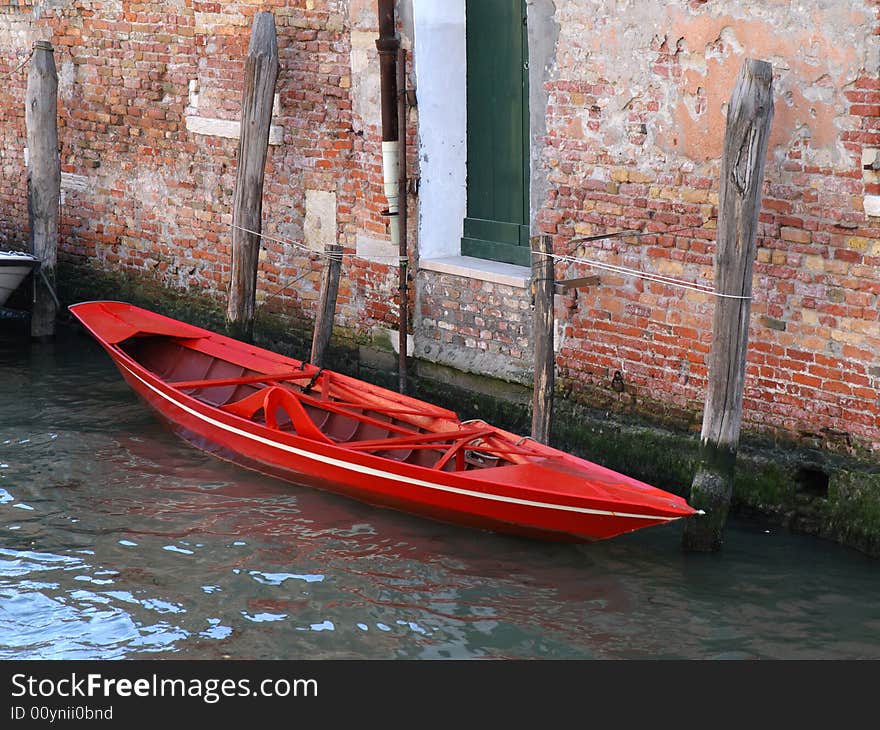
[[635, 115], [635, 125], [474, 325], [149, 98]]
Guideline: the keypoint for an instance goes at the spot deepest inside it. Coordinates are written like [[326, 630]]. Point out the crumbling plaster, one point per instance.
[[686, 56]]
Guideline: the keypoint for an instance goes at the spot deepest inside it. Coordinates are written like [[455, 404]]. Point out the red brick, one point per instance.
[[123, 126]]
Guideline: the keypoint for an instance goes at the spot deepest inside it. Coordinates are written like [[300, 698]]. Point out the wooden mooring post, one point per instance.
[[742, 171], [327, 303], [544, 324], [260, 74], [43, 183], [544, 289]]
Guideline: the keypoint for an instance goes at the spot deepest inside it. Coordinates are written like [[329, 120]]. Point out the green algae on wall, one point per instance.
[[815, 491]]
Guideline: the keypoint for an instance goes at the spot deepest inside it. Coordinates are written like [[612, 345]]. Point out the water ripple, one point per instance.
[[117, 540]]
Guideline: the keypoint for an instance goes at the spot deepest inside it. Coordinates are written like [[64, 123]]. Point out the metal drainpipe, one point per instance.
[[403, 259], [393, 167], [388, 43]]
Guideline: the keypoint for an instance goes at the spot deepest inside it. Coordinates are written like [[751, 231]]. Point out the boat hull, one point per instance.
[[368, 494], [443, 499], [14, 268], [541, 493]]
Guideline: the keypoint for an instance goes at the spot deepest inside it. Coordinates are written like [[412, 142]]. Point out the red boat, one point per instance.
[[310, 425]]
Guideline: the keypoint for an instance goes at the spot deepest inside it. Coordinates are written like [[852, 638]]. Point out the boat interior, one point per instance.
[[326, 407]]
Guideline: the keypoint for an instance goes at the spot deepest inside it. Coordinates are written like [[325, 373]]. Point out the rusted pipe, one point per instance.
[[388, 43], [392, 79], [402, 211]]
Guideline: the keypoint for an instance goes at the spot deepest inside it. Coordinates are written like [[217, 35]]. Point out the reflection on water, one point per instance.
[[117, 540]]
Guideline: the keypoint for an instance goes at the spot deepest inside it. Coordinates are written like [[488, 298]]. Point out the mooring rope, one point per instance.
[[647, 276], [614, 268], [633, 233], [313, 252], [10, 74]]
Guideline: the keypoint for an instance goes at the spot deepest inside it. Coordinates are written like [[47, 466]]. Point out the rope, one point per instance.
[[656, 278], [633, 234], [333, 256], [49, 287], [10, 74], [647, 276], [289, 284], [319, 254]]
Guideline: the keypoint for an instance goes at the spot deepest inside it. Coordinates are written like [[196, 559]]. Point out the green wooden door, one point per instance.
[[497, 223]]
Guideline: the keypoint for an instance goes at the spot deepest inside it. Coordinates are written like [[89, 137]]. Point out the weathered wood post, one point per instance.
[[544, 287], [44, 182], [742, 171], [326, 303], [260, 74]]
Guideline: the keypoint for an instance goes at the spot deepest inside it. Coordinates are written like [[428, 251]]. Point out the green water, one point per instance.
[[119, 541]]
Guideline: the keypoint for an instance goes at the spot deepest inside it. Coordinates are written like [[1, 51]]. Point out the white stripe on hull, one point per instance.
[[384, 474]]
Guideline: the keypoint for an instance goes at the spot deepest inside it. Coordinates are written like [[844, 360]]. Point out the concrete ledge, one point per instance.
[[482, 269], [71, 183], [377, 250], [227, 128], [872, 205], [76, 183]]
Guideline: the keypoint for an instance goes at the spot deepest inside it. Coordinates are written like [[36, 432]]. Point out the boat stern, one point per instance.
[[14, 268]]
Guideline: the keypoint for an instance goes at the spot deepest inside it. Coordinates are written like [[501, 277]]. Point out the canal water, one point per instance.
[[119, 541]]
